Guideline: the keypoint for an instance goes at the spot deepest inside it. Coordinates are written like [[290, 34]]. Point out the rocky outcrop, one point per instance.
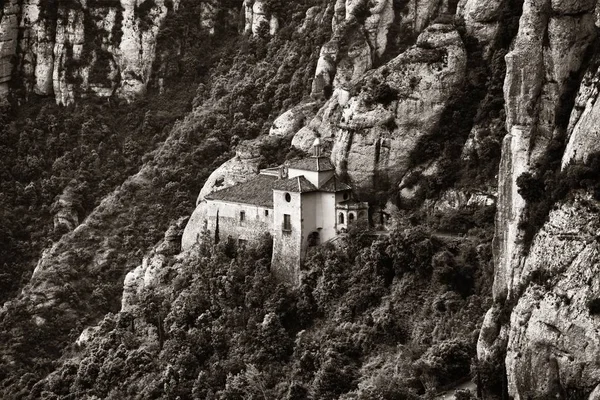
[[237, 170], [148, 275], [549, 286], [293, 120], [547, 50], [9, 32], [583, 133], [361, 33], [81, 48], [66, 210], [374, 126], [354, 44], [553, 343], [482, 20], [137, 48], [258, 17]]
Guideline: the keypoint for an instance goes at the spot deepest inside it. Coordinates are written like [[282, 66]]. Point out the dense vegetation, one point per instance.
[[157, 166], [391, 318], [543, 191]]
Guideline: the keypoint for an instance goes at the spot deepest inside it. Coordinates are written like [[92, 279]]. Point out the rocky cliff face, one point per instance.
[[8, 42], [361, 36], [80, 48], [374, 124], [549, 285], [382, 82], [547, 51], [258, 16], [553, 341]]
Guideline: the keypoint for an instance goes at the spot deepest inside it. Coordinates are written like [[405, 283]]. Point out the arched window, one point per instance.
[[288, 197], [341, 218], [350, 217]]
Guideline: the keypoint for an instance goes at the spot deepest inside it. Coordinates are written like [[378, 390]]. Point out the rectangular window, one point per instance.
[[287, 222], [242, 216], [266, 213]]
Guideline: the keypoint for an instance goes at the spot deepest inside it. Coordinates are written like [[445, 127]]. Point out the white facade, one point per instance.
[[299, 209]]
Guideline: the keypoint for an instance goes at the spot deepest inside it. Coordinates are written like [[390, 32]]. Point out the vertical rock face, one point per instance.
[[374, 126], [65, 210], [360, 37], [137, 48], [258, 16], [547, 50], [583, 131], [553, 344], [482, 20], [549, 287], [357, 40], [9, 30], [81, 47]]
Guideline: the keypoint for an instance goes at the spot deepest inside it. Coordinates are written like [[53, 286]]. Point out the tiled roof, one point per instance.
[[257, 191], [334, 185], [313, 164], [298, 184]]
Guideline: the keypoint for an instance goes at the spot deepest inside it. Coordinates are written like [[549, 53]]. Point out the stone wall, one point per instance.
[[257, 220]]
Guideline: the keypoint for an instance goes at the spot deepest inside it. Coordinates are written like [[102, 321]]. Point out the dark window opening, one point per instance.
[[350, 217], [341, 218], [288, 197], [242, 216], [313, 239], [346, 196], [287, 222], [266, 213]]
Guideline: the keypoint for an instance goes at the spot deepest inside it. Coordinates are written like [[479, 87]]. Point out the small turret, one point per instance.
[[316, 147]]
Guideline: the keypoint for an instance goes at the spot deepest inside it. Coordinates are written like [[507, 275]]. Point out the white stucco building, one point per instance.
[[301, 204]]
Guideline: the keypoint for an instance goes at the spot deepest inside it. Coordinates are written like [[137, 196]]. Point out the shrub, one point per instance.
[[384, 94]]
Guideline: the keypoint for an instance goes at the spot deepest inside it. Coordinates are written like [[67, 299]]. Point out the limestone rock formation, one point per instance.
[[79, 47], [550, 324], [374, 126], [292, 120], [238, 169], [482, 20], [537, 75], [8, 41], [553, 342], [361, 34], [147, 276], [583, 132], [258, 16], [65, 210]]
